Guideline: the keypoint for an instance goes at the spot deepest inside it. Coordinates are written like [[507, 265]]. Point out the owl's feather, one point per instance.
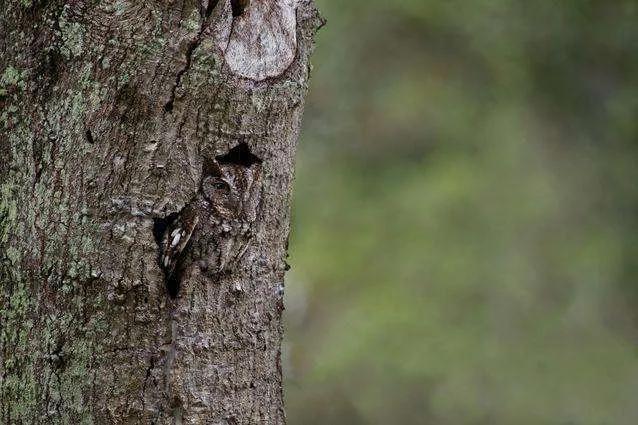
[[176, 239]]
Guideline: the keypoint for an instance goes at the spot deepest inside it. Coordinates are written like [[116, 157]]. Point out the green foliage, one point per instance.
[[465, 233]]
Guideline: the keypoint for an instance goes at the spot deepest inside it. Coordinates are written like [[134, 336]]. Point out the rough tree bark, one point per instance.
[[109, 111]]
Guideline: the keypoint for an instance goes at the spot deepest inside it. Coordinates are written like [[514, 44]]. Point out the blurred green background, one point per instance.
[[465, 232]]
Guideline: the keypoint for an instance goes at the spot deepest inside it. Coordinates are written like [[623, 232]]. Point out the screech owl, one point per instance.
[[214, 229]]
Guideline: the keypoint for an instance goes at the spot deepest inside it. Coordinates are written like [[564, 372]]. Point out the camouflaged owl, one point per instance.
[[213, 230]]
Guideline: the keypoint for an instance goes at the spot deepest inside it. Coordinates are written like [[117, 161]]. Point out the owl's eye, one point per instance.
[[220, 185]]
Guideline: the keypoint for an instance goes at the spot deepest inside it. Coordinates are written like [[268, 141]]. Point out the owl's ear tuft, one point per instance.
[[212, 168], [239, 155]]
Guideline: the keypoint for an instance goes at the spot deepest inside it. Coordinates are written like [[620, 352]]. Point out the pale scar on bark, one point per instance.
[[261, 42]]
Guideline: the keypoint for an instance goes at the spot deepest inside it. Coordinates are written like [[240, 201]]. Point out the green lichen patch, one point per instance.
[[72, 35], [12, 82], [193, 22], [8, 211], [12, 77]]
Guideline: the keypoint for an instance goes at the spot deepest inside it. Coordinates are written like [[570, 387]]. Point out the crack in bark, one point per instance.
[[168, 107], [194, 44], [212, 4], [89, 137], [238, 6]]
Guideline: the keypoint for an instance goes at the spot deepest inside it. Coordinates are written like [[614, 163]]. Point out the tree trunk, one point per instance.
[[112, 114]]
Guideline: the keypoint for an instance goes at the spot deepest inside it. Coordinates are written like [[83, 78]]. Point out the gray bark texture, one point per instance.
[[109, 112]]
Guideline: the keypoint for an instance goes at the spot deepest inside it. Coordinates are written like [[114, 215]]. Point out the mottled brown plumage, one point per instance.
[[214, 228]]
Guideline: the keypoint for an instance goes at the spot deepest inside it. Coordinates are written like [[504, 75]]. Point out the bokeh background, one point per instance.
[[465, 231]]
